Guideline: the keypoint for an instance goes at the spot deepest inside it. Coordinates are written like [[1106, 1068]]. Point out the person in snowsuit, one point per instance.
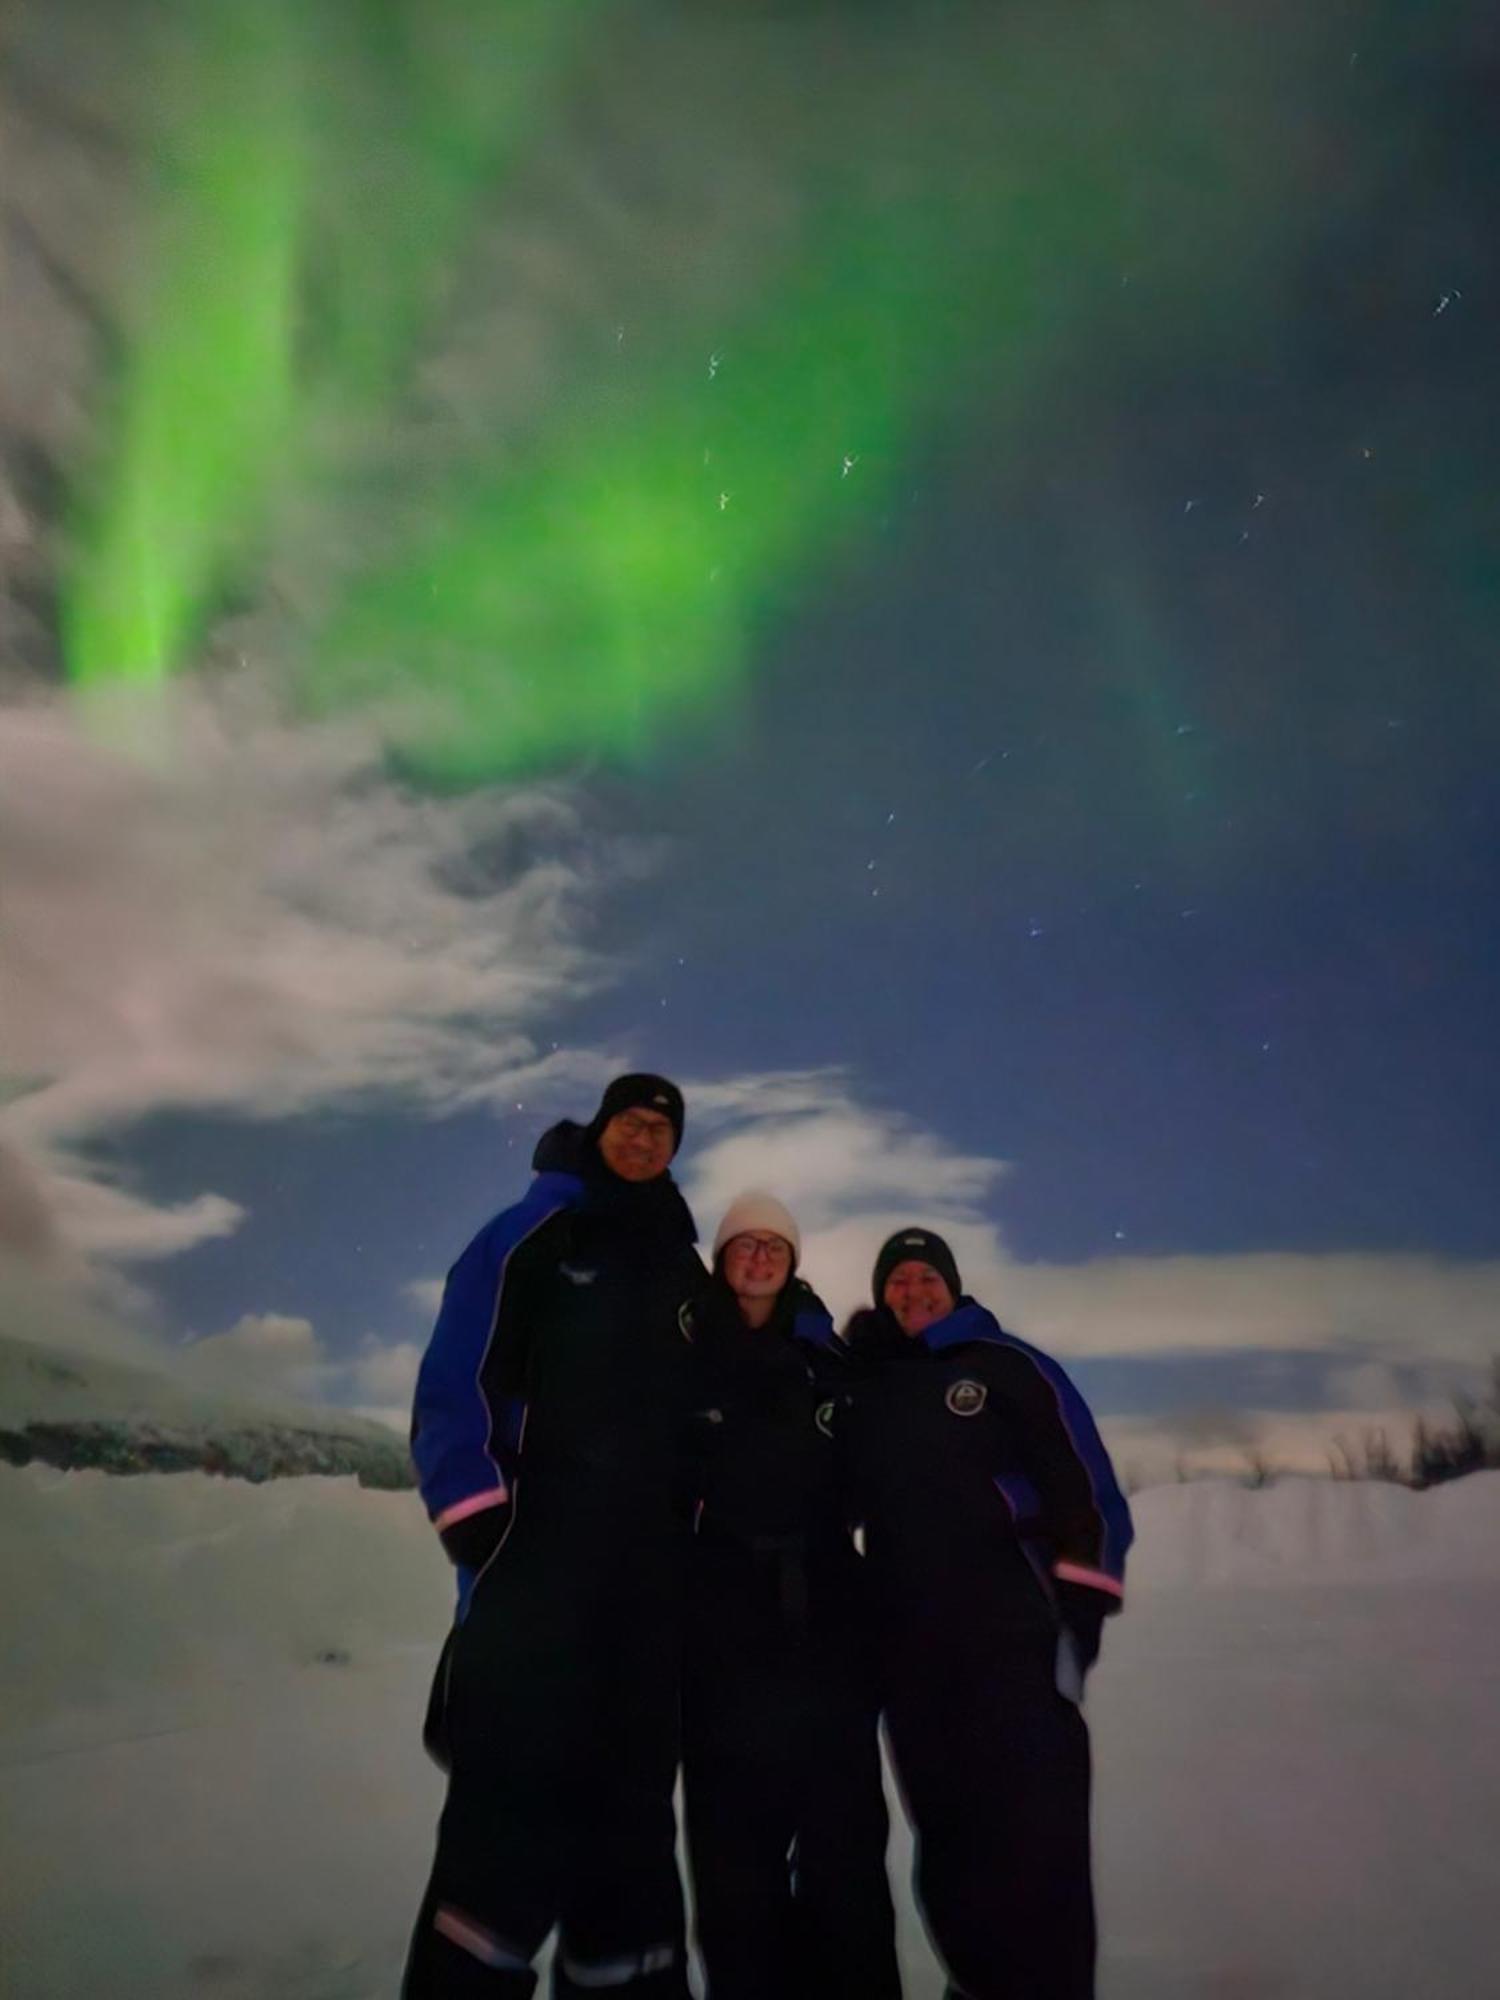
[[786, 1816], [995, 1538], [546, 1434]]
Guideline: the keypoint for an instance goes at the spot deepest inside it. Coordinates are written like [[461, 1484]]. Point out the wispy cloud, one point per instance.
[[853, 1173], [1380, 1305], [105, 1220], [260, 922], [828, 1154]]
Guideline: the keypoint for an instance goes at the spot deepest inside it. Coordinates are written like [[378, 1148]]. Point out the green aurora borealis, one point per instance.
[[566, 583]]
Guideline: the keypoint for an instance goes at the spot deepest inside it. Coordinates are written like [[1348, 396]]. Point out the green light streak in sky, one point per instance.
[[607, 566], [312, 174], [205, 407], [618, 574]]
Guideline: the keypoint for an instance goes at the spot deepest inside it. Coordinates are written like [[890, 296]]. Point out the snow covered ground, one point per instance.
[[210, 1782]]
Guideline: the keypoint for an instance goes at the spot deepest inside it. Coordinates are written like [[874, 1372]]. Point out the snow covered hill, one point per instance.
[[75, 1410], [211, 1785]]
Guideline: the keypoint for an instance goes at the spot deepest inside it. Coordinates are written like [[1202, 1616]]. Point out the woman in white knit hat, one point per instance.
[[786, 1818]]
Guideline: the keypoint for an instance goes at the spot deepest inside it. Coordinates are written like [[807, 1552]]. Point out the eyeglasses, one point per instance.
[[770, 1249], [634, 1126]]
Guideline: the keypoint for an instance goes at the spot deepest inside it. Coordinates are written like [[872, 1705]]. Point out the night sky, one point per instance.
[[1119, 799]]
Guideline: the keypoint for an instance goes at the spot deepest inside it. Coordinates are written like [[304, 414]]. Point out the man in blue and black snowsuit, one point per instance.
[[546, 1434], [786, 1815], [995, 1539]]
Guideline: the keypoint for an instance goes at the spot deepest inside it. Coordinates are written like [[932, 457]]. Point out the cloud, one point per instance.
[[281, 1356], [379, 1381], [273, 1354], [58, 1303], [103, 1219], [853, 1173], [1396, 1306], [426, 1294], [233, 914], [850, 1172], [64, 1233], [27, 1225], [385, 1372], [844, 1159]]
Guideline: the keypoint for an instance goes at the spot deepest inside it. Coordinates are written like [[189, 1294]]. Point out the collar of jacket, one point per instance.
[[800, 1314], [568, 1172], [968, 1321], [812, 1322], [559, 1189]]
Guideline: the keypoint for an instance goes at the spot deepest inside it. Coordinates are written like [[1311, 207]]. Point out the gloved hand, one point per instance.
[[1083, 1611], [473, 1540]]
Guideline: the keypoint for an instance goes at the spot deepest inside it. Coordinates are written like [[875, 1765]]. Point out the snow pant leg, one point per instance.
[[786, 1814], [741, 1820], [623, 1927], [787, 1826], [995, 1772], [495, 1886], [842, 1892], [514, 1687], [746, 1726]]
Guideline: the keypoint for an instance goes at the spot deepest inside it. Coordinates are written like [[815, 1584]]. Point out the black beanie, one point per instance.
[[644, 1093], [922, 1246]]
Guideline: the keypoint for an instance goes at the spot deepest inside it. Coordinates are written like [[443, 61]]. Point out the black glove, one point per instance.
[[1083, 1611], [473, 1540]]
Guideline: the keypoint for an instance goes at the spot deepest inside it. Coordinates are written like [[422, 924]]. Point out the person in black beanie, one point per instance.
[[546, 1433], [995, 1540], [786, 1814]]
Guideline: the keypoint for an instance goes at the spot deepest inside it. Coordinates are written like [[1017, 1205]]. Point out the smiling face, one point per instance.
[[757, 1264], [917, 1296], [637, 1144]]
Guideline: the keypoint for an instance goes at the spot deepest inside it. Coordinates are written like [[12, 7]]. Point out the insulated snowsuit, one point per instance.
[[995, 1540], [548, 1420], [786, 1816]]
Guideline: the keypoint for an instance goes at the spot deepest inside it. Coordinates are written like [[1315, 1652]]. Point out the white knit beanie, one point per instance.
[[757, 1210]]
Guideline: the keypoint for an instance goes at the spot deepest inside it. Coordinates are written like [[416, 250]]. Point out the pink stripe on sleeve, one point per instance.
[[1096, 1579], [476, 1503]]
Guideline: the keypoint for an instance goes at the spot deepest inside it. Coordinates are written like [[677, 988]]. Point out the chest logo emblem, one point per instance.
[[576, 1276], [823, 1418], [966, 1398]]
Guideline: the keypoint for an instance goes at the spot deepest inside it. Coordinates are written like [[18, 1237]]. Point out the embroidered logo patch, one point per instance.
[[966, 1398], [823, 1418], [575, 1276]]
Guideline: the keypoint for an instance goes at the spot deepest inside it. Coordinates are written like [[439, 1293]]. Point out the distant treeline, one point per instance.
[[256, 1452], [1438, 1452]]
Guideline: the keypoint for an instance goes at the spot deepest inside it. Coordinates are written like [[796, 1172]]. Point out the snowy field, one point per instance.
[[211, 1783]]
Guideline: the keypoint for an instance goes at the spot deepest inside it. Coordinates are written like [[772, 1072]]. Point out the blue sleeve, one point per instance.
[[465, 1442], [1083, 1510]]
